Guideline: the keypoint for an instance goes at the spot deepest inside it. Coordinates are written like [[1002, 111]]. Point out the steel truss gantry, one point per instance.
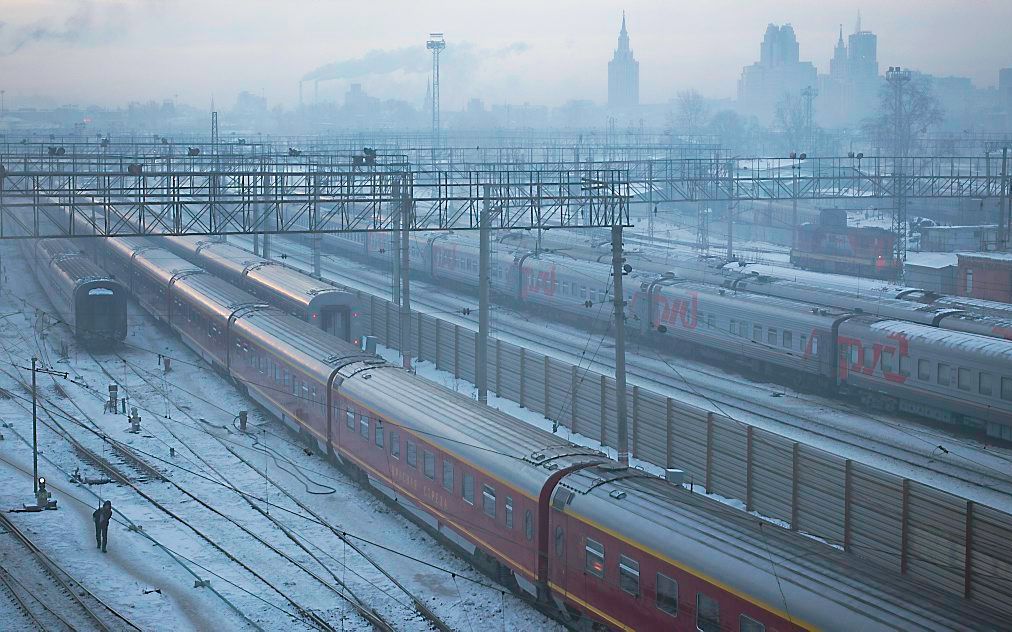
[[283, 198]]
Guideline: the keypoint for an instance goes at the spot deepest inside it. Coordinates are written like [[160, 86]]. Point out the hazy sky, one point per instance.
[[542, 51]]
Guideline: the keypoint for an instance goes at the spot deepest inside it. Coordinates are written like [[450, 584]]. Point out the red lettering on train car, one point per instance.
[[852, 357], [1002, 332], [673, 310], [900, 351]]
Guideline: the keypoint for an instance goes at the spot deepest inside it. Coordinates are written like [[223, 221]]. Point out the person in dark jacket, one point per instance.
[[102, 515]]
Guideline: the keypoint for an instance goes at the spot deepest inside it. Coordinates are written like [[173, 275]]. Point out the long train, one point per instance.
[[610, 547], [92, 303], [928, 363]]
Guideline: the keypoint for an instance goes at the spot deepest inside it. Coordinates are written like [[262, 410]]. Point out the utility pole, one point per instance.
[[809, 94], [406, 208], [1004, 221], [265, 213], [898, 78], [35, 419], [651, 211], [729, 165], [795, 175], [484, 263], [436, 44], [617, 270], [35, 430]]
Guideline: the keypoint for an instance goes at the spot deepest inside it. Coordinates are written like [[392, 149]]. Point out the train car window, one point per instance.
[[771, 336], [395, 444], [757, 333], [804, 343], [583, 292], [923, 370], [815, 345], [488, 500], [447, 475], [363, 426], [667, 594], [378, 434], [711, 321], [904, 366], [963, 379], [629, 575], [429, 464], [528, 525], [412, 454], [707, 613], [788, 339], [560, 541], [748, 624], [509, 512], [887, 361], [733, 327], [1006, 388], [985, 383], [595, 558], [944, 377], [467, 488]]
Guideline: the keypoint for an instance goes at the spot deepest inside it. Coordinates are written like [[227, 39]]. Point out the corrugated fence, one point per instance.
[[945, 541]]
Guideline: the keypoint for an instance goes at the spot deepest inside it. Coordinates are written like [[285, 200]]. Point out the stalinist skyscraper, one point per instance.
[[623, 74]]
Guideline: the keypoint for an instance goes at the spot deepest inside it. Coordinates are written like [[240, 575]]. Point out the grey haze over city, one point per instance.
[[112, 52]]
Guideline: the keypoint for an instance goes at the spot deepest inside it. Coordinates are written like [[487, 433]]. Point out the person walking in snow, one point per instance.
[[102, 515]]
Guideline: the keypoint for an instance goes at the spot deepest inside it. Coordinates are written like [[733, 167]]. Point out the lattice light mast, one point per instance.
[[436, 44], [898, 78]]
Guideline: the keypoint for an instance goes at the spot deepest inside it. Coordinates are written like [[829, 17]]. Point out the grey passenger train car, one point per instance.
[[88, 300]]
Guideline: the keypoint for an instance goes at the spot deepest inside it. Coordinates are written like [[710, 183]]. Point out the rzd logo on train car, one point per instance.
[[540, 281], [854, 357], [671, 311]]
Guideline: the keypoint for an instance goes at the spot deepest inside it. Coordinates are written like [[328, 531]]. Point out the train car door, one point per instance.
[[336, 321], [560, 538]]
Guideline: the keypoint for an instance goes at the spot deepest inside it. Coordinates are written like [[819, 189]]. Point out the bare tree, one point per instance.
[[693, 111], [907, 110], [729, 127], [791, 120]]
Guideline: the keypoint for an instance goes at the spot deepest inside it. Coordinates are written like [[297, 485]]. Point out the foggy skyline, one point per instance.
[[110, 52]]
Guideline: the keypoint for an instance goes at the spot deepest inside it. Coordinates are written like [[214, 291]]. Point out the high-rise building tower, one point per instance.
[[623, 74], [778, 73]]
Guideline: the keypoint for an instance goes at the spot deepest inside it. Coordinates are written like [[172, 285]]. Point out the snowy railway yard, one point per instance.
[[954, 463], [213, 527]]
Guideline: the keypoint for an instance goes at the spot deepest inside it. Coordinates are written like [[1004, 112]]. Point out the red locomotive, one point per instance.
[[832, 246]]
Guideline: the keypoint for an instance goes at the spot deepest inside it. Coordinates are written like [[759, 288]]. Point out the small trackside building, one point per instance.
[[985, 275]]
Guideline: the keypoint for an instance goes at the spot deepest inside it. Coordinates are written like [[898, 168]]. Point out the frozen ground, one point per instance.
[[188, 431]]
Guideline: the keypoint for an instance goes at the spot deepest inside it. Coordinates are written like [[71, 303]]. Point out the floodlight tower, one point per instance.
[[436, 44], [897, 79]]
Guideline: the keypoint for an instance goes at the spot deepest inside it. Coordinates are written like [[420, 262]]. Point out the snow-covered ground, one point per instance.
[[189, 432]]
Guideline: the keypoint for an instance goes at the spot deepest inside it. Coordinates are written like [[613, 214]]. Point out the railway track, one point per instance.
[[49, 596], [371, 613], [54, 412], [907, 449]]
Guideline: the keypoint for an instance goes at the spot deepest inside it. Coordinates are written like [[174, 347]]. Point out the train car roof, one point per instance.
[[64, 254], [303, 345], [295, 285], [504, 447], [809, 581], [759, 301], [959, 342], [155, 260]]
